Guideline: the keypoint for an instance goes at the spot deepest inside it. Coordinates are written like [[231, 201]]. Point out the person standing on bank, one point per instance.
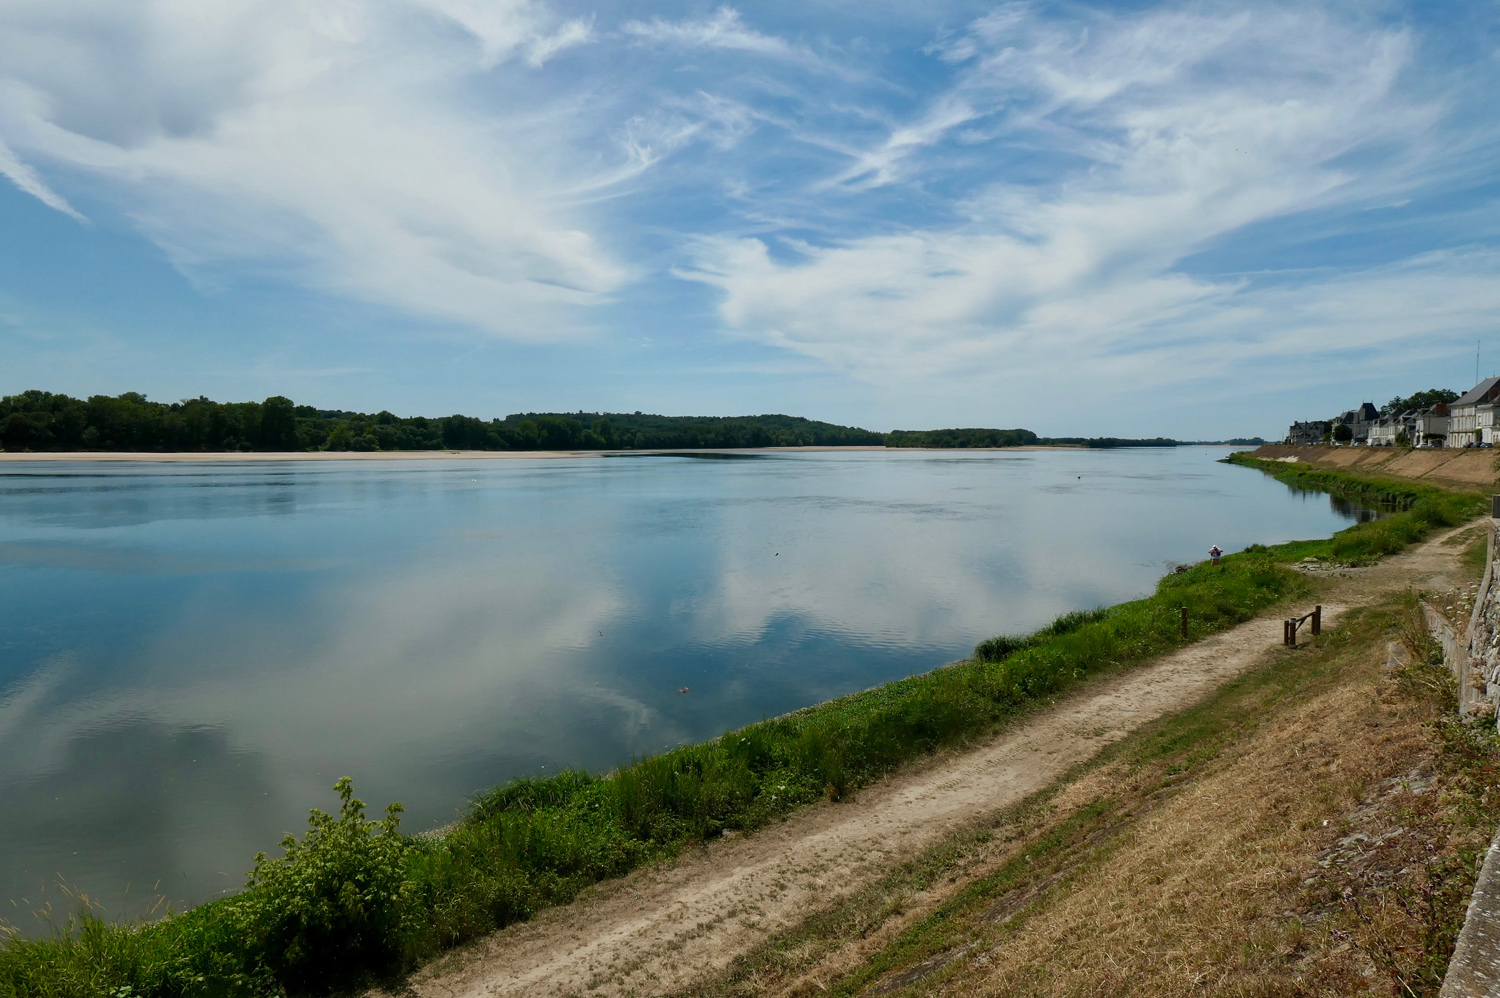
[[1215, 554]]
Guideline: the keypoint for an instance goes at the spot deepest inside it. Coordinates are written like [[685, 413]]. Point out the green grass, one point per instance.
[[356, 900], [1416, 507]]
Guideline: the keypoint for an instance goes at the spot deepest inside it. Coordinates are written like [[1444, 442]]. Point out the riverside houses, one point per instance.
[[1464, 421], [1311, 432], [1471, 421], [1430, 426], [1359, 422], [1385, 430]]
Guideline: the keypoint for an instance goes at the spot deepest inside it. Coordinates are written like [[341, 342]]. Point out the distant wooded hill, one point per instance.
[[42, 421], [968, 437]]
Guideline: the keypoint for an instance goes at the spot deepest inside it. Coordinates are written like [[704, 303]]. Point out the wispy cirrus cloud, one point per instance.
[[504, 28], [28, 180], [724, 30], [337, 143], [1100, 157]]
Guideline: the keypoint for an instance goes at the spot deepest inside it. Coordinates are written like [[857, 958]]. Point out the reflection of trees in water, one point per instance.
[[1353, 510], [1348, 509]]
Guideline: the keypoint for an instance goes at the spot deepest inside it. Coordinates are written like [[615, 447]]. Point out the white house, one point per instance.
[[1464, 429], [1485, 419], [1385, 430], [1430, 426]]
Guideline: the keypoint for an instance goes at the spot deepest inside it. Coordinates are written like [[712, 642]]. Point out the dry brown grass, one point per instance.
[[1310, 830], [1206, 894]]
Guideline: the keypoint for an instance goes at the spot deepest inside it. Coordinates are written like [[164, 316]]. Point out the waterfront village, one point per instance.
[[1468, 421]]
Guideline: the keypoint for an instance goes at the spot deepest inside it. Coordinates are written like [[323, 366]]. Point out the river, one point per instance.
[[191, 654]]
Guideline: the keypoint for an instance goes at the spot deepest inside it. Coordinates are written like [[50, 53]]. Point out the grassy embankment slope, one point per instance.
[[356, 899], [1457, 468], [1315, 827]]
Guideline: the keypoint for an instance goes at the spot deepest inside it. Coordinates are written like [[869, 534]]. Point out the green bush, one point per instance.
[[336, 904]]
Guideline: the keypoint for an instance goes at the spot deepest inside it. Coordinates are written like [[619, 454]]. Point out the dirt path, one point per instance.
[[662, 929]]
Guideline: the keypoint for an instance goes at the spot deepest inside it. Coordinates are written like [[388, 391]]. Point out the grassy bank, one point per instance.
[[1417, 509], [1315, 827], [356, 899]]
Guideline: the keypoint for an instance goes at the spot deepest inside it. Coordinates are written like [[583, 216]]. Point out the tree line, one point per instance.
[[42, 421], [1418, 400]]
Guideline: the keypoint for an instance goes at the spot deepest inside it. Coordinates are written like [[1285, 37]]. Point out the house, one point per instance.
[[1464, 429], [1485, 416], [1307, 433], [1386, 431], [1359, 422], [1430, 426]]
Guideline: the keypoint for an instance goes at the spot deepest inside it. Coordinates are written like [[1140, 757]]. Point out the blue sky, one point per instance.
[[1189, 219]]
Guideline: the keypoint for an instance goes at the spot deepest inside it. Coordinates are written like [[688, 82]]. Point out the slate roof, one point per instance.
[[1480, 392]]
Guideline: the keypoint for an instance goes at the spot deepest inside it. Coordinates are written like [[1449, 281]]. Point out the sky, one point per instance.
[[1196, 220]]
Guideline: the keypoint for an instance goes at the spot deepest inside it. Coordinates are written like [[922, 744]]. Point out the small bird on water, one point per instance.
[[684, 689]]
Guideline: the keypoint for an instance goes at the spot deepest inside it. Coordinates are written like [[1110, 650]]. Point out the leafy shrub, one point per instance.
[[336, 904]]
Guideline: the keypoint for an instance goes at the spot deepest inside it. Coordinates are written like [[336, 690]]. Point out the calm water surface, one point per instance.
[[191, 654]]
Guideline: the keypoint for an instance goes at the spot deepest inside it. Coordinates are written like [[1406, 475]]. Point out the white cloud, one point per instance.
[[337, 142], [881, 166], [579, 31], [1162, 133], [725, 30], [27, 180]]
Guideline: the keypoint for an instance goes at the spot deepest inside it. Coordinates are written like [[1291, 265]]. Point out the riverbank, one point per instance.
[[1313, 826], [1458, 468], [539, 843], [1126, 840]]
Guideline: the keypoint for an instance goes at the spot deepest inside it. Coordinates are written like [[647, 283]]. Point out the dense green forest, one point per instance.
[[41, 421], [1107, 442], [969, 437]]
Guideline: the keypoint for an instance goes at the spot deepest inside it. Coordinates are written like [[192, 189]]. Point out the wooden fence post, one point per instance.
[[1317, 620]]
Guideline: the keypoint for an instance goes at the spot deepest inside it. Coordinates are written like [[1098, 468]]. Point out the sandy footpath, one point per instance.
[[664, 928]]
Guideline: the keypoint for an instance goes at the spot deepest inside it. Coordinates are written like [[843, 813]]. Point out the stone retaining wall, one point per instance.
[[1479, 673], [1474, 970]]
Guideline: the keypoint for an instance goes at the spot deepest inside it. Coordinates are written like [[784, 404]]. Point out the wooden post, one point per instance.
[[1184, 621], [1317, 620], [1290, 637]]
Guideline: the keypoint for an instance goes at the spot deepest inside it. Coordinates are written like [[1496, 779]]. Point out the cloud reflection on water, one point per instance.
[[434, 630]]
